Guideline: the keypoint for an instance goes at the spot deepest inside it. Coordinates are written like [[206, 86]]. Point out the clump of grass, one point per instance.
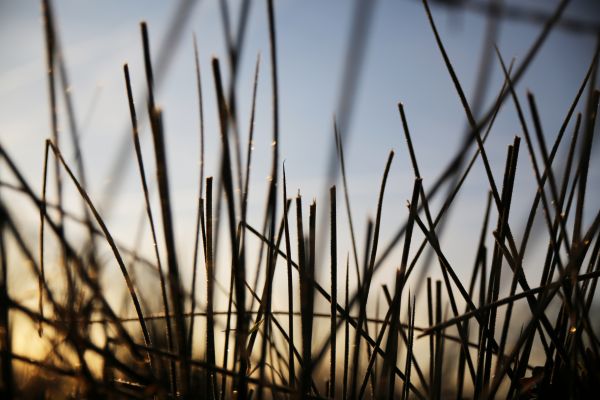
[[157, 359]]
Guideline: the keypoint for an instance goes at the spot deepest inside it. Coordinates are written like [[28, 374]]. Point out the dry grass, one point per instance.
[[365, 355]]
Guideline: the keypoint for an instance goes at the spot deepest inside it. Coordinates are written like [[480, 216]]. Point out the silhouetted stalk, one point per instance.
[[200, 225], [290, 292], [340, 153], [305, 302], [346, 336], [362, 301], [6, 368], [387, 377], [413, 158], [250, 148], [138, 153], [237, 262], [409, 349], [210, 279], [333, 266], [50, 46], [110, 242], [162, 178]]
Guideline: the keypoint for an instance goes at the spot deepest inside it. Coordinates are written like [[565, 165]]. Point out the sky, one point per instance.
[[401, 64]]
